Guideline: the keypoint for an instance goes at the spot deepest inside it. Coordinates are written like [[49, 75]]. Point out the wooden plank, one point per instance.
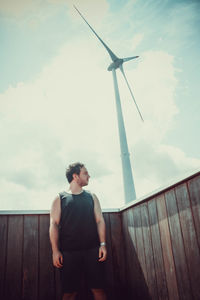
[[167, 249], [151, 274], [138, 286], [46, 271], [184, 287], [30, 263], [194, 191], [189, 238], [3, 250], [109, 261], [157, 250], [14, 258], [131, 228], [128, 258], [139, 240], [117, 253]]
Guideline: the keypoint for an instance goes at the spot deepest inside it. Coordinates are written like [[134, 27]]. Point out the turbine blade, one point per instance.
[[112, 55], [122, 70], [129, 58]]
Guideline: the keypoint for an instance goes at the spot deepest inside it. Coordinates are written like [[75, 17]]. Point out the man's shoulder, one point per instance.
[[90, 193], [93, 195], [63, 195]]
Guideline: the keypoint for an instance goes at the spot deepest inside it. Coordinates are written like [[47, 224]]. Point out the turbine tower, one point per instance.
[[129, 188]]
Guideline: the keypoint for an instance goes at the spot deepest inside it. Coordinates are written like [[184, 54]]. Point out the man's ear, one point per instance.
[[74, 176]]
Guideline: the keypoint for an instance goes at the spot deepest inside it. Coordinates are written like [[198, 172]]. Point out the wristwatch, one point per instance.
[[103, 244]]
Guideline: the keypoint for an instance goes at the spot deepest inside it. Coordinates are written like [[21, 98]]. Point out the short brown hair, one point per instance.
[[73, 168]]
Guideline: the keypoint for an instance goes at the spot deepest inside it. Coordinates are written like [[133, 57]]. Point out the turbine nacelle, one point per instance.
[[116, 64], [119, 61]]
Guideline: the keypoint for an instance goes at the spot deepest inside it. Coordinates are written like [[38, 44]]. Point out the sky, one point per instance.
[[57, 97]]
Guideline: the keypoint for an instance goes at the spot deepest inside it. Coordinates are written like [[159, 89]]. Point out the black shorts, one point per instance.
[[82, 263]]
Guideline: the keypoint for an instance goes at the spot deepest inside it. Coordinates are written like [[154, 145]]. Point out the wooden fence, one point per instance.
[[153, 250], [162, 244]]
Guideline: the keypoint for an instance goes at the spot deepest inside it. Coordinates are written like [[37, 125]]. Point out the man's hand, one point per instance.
[[57, 259], [102, 253]]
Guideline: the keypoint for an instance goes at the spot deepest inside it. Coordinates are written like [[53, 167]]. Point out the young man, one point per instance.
[[77, 234]]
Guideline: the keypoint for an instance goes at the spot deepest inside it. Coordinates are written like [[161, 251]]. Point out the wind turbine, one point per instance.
[[129, 189]]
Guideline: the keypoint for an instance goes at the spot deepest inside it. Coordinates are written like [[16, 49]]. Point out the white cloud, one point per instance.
[[95, 9], [157, 165], [137, 40], [19, 7], [179, 158]]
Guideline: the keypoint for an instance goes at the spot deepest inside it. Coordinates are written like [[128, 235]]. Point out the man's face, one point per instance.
[[83, 178]]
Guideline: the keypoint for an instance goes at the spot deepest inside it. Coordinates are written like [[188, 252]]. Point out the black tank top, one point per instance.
[[78, 228]]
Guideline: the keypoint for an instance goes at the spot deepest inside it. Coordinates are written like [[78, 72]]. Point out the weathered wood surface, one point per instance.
[[194, 192], [189, 238], [182, 274], [150, 264], [109, 266], [136, 283], [117, 244], [46, 270], [167, 249], [153, 251], [157, 251], [30, 258], [3, 252], [14, 259], [163, 234]]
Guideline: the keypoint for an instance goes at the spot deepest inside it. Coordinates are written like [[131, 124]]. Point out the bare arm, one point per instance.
[[55, 214], [101, 227]]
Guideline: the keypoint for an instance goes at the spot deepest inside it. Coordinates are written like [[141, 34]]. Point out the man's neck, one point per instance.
[[74, 188]]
